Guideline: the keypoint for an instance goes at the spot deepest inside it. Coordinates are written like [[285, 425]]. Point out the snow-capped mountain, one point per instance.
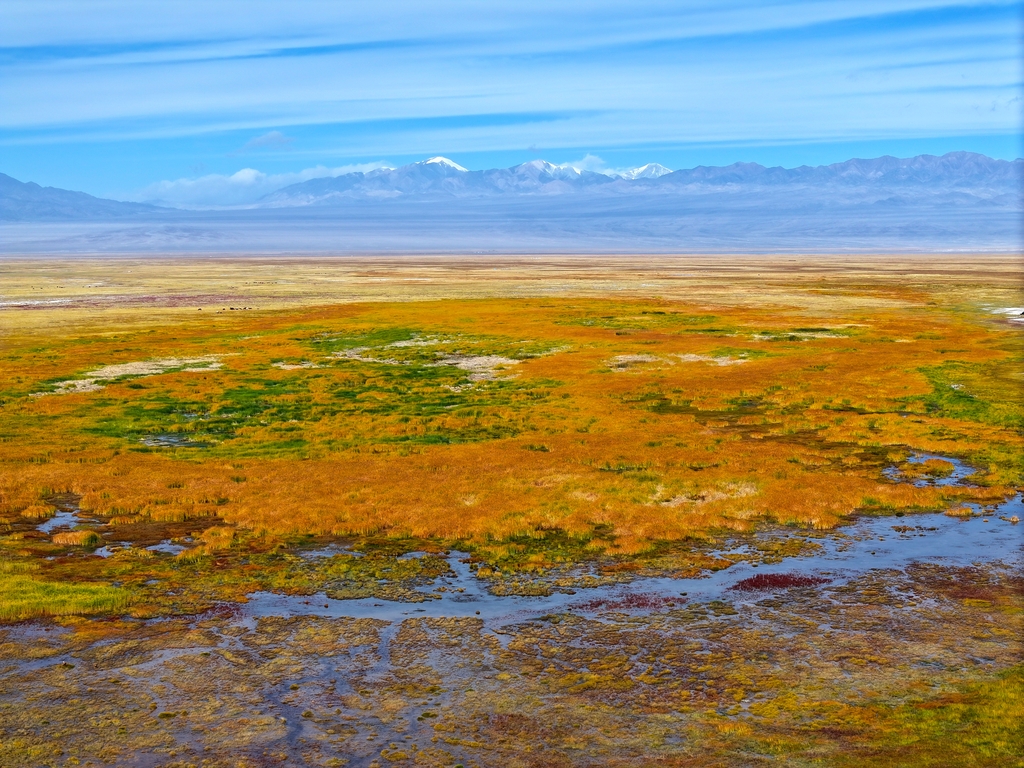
[[444, 161], [439, 177], [960, 201], [649, 171]]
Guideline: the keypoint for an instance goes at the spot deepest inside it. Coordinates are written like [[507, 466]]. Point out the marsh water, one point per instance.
[[289, 679], [869, 543]]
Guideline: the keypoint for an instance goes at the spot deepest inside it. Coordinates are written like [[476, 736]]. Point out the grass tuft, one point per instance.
[[24, 597], [87, 539]]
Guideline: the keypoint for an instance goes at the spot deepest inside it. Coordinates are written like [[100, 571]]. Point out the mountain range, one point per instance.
[[959, 201], [439, 177], [27, 201]]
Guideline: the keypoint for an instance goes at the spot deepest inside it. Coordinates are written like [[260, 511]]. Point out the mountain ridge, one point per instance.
[[955, 170], [26, 200], [953, 181]]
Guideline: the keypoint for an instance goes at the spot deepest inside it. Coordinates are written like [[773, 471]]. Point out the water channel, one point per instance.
[[869, 543]]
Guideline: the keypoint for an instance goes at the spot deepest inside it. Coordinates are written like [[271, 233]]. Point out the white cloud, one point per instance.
[[588, 162], [397, 77], [596, 164], [241, 188]]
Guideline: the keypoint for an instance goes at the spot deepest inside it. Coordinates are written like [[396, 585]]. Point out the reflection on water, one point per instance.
[[868, 544], [65, 518], [168, 547], [172, 440], [960, 471]]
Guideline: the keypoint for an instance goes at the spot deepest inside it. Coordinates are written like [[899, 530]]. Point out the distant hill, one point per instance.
[[958, 202], [438, 177], [27, 201], [955, 170]]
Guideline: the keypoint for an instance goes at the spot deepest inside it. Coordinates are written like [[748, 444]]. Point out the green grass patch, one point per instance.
[[747, 353], [249, 416], [377, 337], [986, 393], [646, 320], [24, 597]]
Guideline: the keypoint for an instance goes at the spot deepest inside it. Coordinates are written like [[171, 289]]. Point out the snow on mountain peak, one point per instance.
[[543, 166], [443, 161], [649, 171]]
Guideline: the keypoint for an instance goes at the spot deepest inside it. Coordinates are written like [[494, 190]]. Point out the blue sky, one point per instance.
[[216, 101]]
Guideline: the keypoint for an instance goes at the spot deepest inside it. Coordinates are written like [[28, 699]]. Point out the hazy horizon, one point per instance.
[[249, 187], [247, 119]]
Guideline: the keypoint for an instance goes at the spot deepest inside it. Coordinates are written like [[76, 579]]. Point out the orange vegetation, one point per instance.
[[628, 421]]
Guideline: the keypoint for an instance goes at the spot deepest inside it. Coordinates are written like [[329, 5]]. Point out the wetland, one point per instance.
[[511, 512]]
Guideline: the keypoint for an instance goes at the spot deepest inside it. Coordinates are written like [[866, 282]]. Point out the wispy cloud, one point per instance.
[[241, 188], [351, 81], [269, 139], [589, 162], [596, 164]]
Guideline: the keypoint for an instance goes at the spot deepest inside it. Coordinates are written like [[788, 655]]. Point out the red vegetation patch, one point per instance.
[[949, 700], [777, 581], [632, 603]]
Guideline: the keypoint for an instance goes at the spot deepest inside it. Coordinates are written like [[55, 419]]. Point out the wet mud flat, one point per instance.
[[800, 648], [811, 660]]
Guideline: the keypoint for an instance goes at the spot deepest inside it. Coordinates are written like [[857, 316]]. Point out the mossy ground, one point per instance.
[[913, 668]]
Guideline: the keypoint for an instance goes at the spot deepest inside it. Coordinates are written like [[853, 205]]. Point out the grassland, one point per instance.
[[566, 422], [25, 597]]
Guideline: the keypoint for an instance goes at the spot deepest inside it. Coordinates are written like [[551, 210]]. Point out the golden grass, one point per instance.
[[87, 539], [38, 511], [976, 725], [831, 375], [959, 511]]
